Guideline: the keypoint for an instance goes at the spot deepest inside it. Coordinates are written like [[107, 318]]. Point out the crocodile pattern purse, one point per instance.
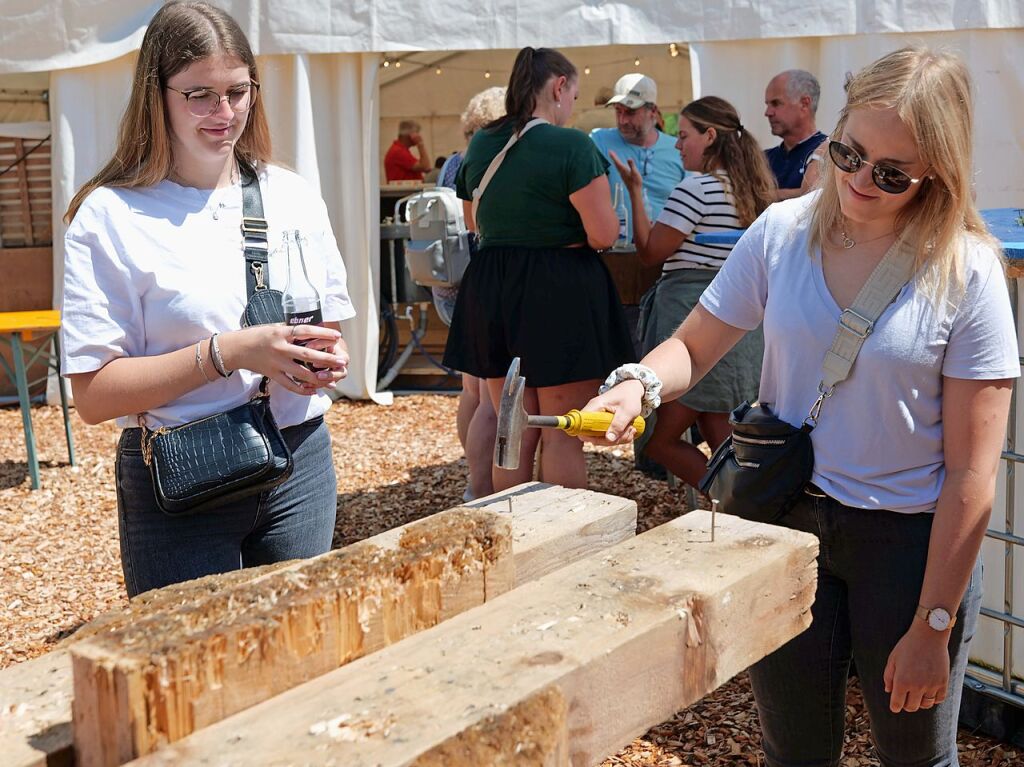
[[208, 463]]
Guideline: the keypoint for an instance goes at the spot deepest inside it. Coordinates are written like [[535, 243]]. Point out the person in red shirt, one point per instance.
[[400, 164]]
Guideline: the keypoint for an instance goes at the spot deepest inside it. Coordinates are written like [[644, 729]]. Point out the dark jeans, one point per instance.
[[292, 521], [870, 570]]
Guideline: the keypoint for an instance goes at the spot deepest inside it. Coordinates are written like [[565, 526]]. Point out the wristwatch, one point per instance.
[[937, 618]]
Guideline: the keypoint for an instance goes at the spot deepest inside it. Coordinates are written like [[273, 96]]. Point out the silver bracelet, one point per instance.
[[199, 362], [218, 361], [636, 372]]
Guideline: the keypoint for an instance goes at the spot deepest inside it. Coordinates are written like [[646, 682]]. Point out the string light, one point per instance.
[[673, 50], [487, 75], [398, 63], [437, 71], [586, 70], [636, 61], [386, 63]]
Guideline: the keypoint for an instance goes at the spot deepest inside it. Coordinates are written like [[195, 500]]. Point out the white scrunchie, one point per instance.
[[636, 372]]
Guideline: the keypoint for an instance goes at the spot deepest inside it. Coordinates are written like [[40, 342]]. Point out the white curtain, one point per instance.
[[323, 114], [740, 70]]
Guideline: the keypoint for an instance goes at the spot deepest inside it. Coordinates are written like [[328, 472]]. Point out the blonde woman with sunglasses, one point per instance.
[[155, 287], [907, 447]]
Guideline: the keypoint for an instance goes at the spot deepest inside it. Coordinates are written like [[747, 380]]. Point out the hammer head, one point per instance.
[[512, 419]]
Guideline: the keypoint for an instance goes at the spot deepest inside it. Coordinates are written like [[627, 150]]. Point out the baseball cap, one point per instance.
[[634, 91]]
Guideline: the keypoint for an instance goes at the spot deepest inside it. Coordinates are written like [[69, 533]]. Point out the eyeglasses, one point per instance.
[[203, 102], [888, 178]]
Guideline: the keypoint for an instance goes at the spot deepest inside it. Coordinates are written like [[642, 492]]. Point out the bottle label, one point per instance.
[[311, 317]]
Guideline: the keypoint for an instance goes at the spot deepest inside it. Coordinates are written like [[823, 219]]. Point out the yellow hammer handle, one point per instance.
[[592, 424]]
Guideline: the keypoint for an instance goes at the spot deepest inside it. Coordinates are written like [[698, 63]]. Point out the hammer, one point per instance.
[[513, 419]]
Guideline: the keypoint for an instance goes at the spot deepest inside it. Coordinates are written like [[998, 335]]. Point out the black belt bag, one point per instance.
[[205, 464], [210, 462], [760, 471]]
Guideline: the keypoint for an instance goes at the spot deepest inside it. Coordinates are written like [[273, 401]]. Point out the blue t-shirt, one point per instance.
[[659, 164], [789, 167]]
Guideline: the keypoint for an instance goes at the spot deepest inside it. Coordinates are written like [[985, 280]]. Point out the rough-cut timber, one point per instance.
[[629, 636], [160, 678], [550, 527]]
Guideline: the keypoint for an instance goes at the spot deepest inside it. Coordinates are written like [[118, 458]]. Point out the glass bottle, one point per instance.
[[300, 300], [622, 213]]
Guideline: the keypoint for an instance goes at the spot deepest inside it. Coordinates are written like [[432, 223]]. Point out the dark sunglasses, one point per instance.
[[888, 178]]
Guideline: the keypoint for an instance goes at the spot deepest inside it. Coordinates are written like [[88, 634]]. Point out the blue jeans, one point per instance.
[[291, 521], [870, 570]]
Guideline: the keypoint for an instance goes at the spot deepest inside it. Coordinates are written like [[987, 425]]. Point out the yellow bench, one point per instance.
[[17, 330]]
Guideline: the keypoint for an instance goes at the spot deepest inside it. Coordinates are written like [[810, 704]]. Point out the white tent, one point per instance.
[[320, 70], [320, 64]]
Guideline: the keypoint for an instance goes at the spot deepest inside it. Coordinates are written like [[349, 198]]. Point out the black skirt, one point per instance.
[[556, 309]]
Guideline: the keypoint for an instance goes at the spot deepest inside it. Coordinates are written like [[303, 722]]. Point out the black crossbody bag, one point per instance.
[[760, 471], [207, 463]]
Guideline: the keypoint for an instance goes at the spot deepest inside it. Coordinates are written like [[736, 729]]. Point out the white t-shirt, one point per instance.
[[699, 204], [878, 443], [154, 269]]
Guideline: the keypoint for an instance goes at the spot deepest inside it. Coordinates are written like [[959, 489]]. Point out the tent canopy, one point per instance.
[[320, 67], [46, 35]]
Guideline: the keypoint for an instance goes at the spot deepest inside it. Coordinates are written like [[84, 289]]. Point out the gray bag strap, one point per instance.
[[857, 322], [496, 163]]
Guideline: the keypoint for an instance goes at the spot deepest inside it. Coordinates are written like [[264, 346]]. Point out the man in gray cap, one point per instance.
[[637, 138]]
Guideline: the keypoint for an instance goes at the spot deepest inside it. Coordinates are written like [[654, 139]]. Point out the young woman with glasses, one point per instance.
[[154, 290], [907, 448], [728, 186]]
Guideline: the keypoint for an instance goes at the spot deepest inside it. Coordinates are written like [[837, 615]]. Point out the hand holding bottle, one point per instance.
[[273, 351]]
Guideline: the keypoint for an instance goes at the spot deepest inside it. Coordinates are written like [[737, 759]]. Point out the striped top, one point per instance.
[[699, 204]]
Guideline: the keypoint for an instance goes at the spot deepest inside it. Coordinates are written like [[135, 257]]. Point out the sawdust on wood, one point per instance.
[[60, 566]]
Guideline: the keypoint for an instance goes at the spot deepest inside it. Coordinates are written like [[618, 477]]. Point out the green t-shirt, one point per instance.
[[527, 202]]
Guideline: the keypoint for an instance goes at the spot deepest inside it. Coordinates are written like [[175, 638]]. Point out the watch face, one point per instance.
[[938, 619]]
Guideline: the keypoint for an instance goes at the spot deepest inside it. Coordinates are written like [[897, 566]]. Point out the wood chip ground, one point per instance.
[[59, 562]]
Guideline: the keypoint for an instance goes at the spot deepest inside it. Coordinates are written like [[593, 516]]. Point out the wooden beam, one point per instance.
[[550, 527], [163, 677], [629, 636]]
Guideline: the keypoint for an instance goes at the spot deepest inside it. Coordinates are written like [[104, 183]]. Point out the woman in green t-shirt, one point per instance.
[[537, 288]]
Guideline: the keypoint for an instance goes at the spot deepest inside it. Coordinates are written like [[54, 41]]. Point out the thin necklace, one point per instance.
[[174, 176], [849, 242]]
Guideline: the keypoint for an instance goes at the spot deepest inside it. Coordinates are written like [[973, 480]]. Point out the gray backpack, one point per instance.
[[437, 251]]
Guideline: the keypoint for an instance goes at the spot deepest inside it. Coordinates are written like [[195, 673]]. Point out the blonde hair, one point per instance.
[[484, 108], [180, 34], [735, 152], [931, 93]]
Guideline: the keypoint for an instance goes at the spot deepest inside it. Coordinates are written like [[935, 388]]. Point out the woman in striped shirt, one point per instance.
[[732, 184]]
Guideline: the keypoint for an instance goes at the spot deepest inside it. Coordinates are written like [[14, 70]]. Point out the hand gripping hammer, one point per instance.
[[513, 419]]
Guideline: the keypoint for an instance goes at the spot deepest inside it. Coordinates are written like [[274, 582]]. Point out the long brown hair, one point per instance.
[[532, 69], [735, 152], [931, 92], [180, 34]]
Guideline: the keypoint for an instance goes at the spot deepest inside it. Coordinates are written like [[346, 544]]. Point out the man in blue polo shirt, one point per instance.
[[637, 138], [791, 101]]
